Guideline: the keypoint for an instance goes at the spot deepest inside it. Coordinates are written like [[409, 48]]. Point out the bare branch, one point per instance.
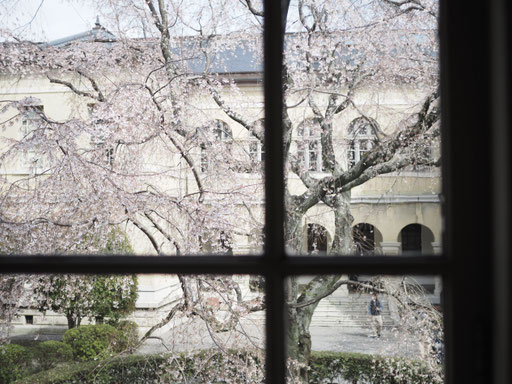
[[252, 128], [150, 237], [94, 85], [177, 308], [74, 89], [154, 14], [383, 168], [251, 8], [406, 6], [382, 153], [163, 232]]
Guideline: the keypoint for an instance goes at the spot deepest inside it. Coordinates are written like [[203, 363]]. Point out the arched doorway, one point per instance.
[[416, 239], [366, 239], [317, 239]]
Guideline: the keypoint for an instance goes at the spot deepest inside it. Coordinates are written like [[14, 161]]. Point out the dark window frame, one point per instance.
[[475, 88]]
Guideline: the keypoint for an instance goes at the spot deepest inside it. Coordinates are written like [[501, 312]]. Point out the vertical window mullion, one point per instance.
[[274, 192]]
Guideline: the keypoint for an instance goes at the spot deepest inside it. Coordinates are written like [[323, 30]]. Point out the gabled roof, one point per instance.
[[97, 34], [241, 57]]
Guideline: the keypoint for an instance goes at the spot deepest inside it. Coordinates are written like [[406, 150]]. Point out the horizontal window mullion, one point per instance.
[[222, 264], [214, 264]]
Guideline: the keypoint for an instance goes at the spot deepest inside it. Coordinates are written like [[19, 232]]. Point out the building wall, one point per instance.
[[388, 202]]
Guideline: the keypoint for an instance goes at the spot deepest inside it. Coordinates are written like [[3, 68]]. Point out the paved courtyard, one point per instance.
[[335, 339], [357, 340]]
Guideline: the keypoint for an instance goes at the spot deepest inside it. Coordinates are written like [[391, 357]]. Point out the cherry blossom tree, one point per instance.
[[149, 147]]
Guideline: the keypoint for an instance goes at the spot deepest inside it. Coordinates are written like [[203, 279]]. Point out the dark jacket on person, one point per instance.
[[375, 307]]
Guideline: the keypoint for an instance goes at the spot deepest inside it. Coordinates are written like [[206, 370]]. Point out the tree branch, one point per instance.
[[426, 118], [177, 308], [95, 86], [154, 13], [252, 128], [147, 233], [74, 89], [164, 233], [253, 10]]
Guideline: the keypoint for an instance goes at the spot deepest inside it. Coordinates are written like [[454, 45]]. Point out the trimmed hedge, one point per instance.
[[330, 367], [133, 369], [90, 342], [14, 362], [48, 354], [211, 366], [129, 333]]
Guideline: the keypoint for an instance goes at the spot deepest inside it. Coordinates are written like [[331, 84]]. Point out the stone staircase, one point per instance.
[[349, 311]]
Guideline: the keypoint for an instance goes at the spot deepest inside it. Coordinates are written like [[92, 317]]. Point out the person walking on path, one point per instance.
[[375, 312]]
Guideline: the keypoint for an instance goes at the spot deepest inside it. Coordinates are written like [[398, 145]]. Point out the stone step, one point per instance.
[[348, 311]]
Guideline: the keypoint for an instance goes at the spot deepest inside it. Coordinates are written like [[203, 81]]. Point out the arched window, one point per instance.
[[216, 131], [317, 239], [309, 146], [362, 138]]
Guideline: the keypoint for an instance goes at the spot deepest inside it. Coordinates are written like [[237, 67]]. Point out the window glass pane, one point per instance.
[[149, 125], [362, 128], [145, 328], [338, 331]]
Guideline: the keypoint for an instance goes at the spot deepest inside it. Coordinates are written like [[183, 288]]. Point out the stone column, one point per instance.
[[392, 248], [436, 246], [438, 283]]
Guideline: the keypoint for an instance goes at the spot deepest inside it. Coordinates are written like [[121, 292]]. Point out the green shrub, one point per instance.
[[330, 367], [215, 367], [79, 296], [48, 354], [133, 369], [93, 341], [14, 363], [113, 296], [129, 334]]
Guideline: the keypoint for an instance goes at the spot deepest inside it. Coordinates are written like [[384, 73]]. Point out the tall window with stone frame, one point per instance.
[[257, 149], [309, 146], [362, 136], [214, 133], [98, 141], [256, 154], [31, 121]]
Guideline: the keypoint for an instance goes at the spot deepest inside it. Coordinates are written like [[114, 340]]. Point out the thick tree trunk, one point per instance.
[[71, 321], [299, 340], [342, 241], [299, 317]]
